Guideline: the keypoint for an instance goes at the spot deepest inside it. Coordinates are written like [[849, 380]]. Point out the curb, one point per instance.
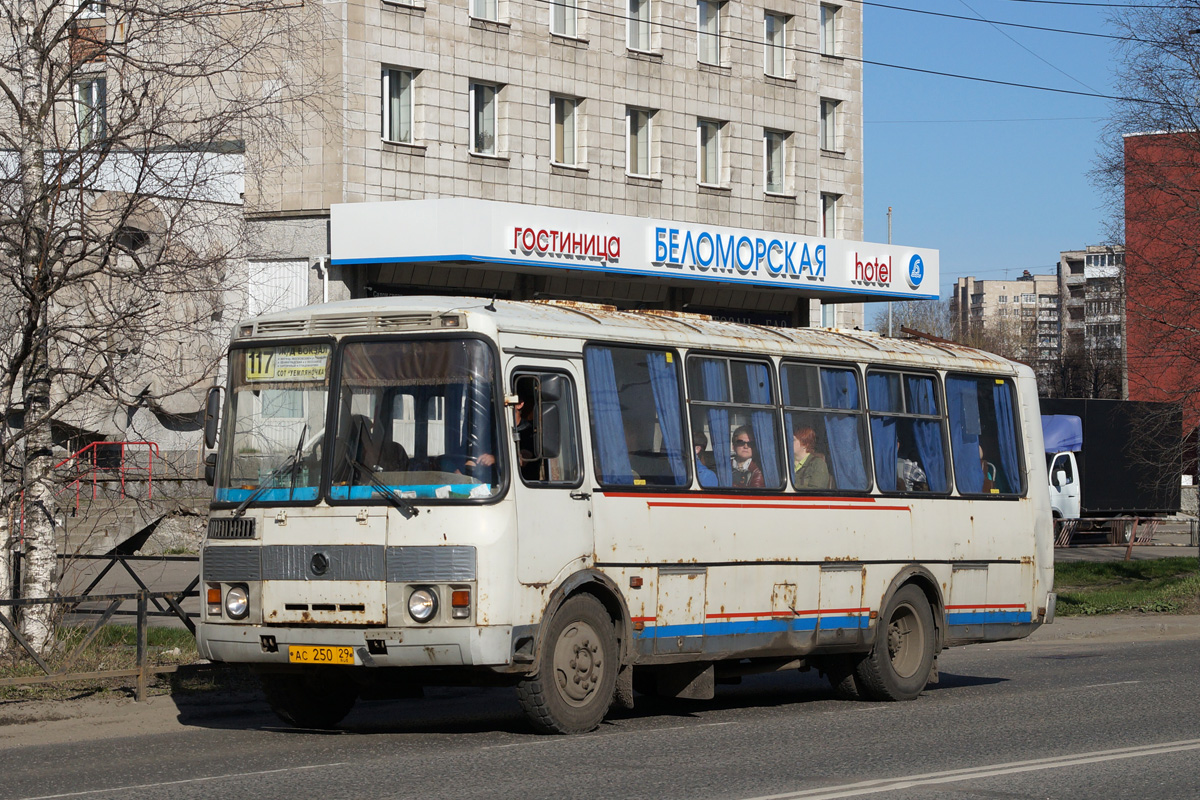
[[1122, 627]]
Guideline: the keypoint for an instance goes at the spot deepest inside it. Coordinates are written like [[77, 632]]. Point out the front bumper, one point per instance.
[[489, 646]]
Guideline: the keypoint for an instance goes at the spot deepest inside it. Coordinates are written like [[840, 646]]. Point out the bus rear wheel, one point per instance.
[[901, 662], [577, 670], [309, 699]]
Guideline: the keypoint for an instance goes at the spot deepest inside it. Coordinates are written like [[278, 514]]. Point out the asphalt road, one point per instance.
[[1113, 716]]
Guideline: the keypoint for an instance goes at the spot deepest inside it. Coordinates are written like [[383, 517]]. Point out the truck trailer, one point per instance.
[[1121, 457]]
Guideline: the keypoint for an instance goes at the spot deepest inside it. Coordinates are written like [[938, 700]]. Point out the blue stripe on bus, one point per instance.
[[985, 617], [744, 626]]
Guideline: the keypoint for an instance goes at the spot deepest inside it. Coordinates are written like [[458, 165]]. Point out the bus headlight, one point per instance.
[[237, 602], [422, 605]]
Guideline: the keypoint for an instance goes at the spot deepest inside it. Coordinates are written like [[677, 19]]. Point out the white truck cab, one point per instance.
[[1063, 436]]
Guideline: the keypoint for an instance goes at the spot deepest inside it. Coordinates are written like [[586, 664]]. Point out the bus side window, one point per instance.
[[546, 429]]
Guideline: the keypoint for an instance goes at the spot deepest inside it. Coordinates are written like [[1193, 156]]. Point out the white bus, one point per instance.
[[578, 501]]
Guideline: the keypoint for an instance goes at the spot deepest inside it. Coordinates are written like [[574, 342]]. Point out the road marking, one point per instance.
[[975, 773], [186, 780], [1100, 685]]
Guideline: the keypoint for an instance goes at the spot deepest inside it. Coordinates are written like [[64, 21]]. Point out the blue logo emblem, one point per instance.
[[916, 271]]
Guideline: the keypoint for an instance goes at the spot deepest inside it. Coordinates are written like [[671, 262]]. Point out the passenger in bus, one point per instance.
[[910, 477], [809, 469], [746, 472], [704, 474]]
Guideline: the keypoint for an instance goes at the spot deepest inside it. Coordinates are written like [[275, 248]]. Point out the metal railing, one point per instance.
[[1127, 532], [143, 669], [97, 463]]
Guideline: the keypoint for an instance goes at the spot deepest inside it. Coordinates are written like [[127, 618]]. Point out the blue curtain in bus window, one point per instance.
[[717, 390], [664, 382], [607, 427], [840, 390], [883, 431], [758, 377], [962, 404], [1006, 432], [928, 432]]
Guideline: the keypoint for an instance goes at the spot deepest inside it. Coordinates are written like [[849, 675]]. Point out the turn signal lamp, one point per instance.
[[460, 603]]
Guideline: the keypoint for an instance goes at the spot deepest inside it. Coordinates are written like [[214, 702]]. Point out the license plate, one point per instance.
[[308, 654]]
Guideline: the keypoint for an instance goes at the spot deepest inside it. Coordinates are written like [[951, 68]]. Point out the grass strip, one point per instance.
[[1158, 585]]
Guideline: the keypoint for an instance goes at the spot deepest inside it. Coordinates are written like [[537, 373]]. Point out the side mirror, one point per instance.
[[210, 469], [1060, 478], [212, 417]]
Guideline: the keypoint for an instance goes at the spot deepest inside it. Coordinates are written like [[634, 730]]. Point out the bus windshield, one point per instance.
[[278, 397], [419, 418]]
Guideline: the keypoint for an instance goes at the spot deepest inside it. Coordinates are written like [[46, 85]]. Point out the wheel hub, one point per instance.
[[578, 665]]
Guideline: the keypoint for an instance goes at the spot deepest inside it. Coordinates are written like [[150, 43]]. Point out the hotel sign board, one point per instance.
[[488, 232]]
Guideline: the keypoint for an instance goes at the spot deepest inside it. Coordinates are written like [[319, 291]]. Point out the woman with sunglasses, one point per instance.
[[746, 472]]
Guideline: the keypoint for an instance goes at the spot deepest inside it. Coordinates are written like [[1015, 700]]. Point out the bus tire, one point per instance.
[[304, 700], [841, 672], [899, 665], [576, 679]]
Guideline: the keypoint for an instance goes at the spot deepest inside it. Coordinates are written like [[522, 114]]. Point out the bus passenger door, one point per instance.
[[554, 509]]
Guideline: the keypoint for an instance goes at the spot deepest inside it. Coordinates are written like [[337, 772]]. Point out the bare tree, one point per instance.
[[126, 132], [931, 317], [1150, 167]]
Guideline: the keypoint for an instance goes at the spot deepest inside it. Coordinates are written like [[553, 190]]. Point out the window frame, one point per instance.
[[473, 133], [864, 419], [827, 29], [387, 123], [711, 151], [91, 114], [775, 51], [708, 43], [556, 130], [783, 146], [782, 459], [685, 428], [639, 26], [942, 419], [829, 214], [481, 8], [827, 125], [1022, 471], [630, 156], [569, 9], [531, 370]]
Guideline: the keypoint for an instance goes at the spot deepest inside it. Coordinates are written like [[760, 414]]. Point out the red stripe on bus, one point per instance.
[[791, 506], [791, 498], [789, 613], [642, 619]]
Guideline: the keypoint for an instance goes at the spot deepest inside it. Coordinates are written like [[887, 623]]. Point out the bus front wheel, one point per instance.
[[901, 662], [577, 670], [306, 701]]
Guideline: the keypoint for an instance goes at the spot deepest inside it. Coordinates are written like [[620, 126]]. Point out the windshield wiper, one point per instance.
[[403, 505], [291, 463]]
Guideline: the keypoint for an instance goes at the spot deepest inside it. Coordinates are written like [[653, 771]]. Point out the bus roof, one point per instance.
[[586, 321]]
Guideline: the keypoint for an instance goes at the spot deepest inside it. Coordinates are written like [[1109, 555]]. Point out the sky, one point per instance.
[[996, 178]]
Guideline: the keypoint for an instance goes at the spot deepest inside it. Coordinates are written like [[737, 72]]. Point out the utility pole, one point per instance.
[[889, 301]]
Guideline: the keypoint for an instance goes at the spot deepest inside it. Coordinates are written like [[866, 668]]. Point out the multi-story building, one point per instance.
[[1091, 285], [743, 118], [1019, 317]]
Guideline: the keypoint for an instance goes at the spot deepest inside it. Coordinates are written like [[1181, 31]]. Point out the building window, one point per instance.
[[485, 9], [708, 31], [92, 8], [775, 44], [90, 100], [829, 215], [639, 25], [828, 32], [483, 119], [828, 131], [637, 135], [562, 112], [773, 161], [563, 15], [397, 105], [708, 152]]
